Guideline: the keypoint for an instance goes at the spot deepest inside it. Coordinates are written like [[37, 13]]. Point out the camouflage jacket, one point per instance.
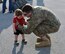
[[43, 21]]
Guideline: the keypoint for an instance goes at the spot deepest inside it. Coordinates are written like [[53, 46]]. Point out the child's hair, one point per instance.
[[18, 12], [27, 8]]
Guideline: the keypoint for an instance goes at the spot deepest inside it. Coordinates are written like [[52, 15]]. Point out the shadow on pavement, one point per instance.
[[45, 50], [5, 20], [20, 50], [14, 49]]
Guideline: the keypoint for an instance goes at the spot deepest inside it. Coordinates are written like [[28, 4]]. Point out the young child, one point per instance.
[[18, 17]]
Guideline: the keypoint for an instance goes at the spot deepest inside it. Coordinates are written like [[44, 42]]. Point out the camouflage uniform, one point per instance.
[[43, 21]]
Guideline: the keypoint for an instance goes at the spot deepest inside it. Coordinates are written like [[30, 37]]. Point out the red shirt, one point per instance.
[[21, 21]]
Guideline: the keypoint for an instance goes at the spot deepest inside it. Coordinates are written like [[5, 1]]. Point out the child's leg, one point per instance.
[[16, 37], [16, 40], [23, 38]]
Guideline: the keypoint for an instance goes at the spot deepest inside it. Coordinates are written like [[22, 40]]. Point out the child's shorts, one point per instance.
[[18, 32]]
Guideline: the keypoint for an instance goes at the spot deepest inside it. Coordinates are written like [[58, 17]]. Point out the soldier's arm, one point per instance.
[[37, 17], [34, 22]]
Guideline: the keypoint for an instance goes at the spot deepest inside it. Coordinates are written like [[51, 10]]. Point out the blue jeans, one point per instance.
[[10, 6], [4, 6]]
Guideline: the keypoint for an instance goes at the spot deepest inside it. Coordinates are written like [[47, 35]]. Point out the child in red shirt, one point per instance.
[[18, 17]]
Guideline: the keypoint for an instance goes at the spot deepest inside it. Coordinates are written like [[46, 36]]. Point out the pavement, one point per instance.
[[57, 39]]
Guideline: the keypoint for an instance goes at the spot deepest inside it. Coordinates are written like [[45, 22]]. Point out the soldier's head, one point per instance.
[[27, 10]]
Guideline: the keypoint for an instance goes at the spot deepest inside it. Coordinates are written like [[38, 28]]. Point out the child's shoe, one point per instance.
[[24, 41], [16, 43]]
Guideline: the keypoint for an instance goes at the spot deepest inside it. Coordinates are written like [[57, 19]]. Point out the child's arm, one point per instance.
[[14, 27], [14, 24]]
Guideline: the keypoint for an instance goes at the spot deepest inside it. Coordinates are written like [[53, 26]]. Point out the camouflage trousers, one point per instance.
[[44, 29]]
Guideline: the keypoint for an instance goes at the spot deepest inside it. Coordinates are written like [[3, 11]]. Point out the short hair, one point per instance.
[[18, 12], [27, 8]]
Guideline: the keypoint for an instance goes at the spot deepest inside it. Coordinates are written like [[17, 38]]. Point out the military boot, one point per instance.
[[46, 42]]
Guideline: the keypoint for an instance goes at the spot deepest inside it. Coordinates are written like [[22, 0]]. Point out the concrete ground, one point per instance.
[[57, 39]]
